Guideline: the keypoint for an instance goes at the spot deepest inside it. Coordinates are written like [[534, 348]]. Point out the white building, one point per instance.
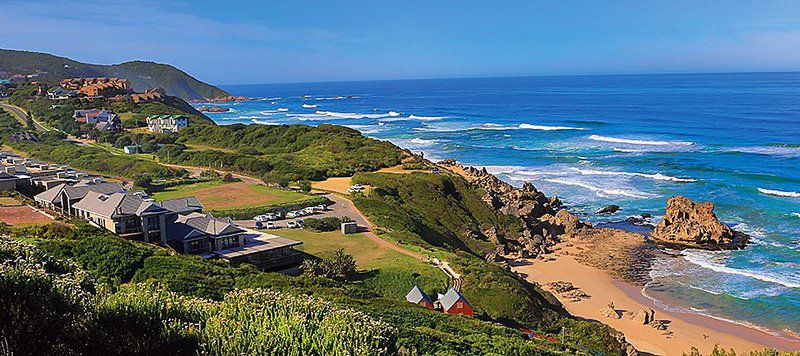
[[166, 123]]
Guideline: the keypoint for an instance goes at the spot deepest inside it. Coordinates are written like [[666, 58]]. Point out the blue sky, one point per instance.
[[233, 42]]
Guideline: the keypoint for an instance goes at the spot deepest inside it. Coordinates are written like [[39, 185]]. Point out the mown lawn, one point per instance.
[[388, 272], [218, 195]]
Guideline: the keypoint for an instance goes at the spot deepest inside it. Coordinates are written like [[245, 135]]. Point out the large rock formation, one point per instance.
[[526, 203], [690, 223]]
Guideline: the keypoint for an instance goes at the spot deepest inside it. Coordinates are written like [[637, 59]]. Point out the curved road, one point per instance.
[[22, 116]]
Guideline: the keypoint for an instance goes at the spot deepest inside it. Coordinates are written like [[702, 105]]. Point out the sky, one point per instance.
[[241, 42]]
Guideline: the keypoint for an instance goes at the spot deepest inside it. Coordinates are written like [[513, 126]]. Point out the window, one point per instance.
[[459, 305], [153, 222]]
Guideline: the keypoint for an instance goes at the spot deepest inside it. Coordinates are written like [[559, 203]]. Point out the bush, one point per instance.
[[305, 186], [341, 266], [325, 224]]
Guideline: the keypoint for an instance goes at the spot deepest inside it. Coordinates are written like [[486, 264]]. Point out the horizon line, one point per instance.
[[518, 76]]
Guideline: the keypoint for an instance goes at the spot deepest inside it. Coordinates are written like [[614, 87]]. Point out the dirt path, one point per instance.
[[361, 220]]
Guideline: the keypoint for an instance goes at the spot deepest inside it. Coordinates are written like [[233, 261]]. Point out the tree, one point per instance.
[[143, 180], [342, 266], [305, 186], [228, 177]]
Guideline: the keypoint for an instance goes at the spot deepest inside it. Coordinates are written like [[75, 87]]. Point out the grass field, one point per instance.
[[389, 272], [8, 201], [219, 195]]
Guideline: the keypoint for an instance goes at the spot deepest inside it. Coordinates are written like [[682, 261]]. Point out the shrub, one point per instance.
[[341, 266], [325, 224]]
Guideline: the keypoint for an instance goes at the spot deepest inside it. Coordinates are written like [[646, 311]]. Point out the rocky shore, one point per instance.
[[625, 254]]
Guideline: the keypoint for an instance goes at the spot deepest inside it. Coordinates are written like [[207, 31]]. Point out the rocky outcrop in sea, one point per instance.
[[694, 224]]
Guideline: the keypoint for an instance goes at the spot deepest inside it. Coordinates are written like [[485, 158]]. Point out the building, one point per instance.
[[418, 297], [349, 227], [59, 93], [63, 196], [131, 149], [23, 136], [7, 181], [78, 83], [265, 251], [197, 232], [455, 303], [167, 123], [127, 214], [113, 124], [149, 95], [93, 116]]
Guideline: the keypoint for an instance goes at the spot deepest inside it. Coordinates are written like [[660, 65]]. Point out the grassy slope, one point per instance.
[[214, 199], [143, 75]]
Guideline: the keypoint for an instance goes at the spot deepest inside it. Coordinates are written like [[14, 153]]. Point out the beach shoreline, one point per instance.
[[684, 330]]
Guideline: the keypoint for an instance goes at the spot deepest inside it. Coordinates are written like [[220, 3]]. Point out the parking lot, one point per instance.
[[340, 207]]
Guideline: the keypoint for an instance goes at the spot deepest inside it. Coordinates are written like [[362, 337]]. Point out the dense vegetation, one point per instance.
[[183, 304], [433, 210], [53, 148], [143, 75], [282, 153]]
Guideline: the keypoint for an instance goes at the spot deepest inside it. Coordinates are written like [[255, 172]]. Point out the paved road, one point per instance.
[[22, 116]]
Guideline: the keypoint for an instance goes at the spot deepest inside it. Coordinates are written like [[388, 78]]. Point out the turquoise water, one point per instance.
[[733, 139]]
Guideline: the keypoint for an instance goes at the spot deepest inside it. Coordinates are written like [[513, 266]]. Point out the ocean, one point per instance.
[[629, 140]]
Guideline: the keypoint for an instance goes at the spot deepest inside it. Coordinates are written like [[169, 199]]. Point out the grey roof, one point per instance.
[[450, 298], [117, 204], [79, 191], [5, 176], [50, 195], [193, 225], [416, 295], [182, 205]]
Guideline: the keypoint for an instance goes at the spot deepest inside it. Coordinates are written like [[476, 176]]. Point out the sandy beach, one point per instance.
[[683, 330]]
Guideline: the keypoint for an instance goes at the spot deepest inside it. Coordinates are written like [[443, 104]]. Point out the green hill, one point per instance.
[[142, 74]]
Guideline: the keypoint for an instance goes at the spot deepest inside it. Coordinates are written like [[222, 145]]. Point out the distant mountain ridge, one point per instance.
[[142, 74]]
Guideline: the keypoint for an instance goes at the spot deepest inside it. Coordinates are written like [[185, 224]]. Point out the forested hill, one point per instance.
[[143, 75]]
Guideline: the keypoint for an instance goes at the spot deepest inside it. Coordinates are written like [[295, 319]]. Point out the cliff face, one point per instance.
[[544, 220], [691, 223]]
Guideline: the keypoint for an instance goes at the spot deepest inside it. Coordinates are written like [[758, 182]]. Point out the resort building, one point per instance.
[[126, 214], [167, 123], [62, 197], [455, 303], [7, 181], [418, 297], [148, 96]]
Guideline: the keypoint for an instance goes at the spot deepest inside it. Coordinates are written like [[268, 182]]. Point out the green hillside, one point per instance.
[[142, 74]]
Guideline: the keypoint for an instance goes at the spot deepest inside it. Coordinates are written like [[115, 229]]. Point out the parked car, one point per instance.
[[270, 225], [260, 218], [291, 224], [320, 208], [300, 223], [309, 210], [291, 215], [355, 188]]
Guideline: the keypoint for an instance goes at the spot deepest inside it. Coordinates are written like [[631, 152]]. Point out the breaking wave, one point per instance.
[[656, 176], [309, 106], [548, 128], [602, 192], [779, 193], [706, 260], [786, 151], [262, 122], [639, 142]]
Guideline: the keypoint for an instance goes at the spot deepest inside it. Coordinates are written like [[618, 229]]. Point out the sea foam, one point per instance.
[[706, 260], [639, 142], [656, 176], [779, 193], [599, 191], [309, 106]]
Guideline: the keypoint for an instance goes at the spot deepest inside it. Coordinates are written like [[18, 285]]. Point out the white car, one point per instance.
[[270, 225], [309, 210], [291, 215], [319, 208], [291, 224], [260, 218]]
